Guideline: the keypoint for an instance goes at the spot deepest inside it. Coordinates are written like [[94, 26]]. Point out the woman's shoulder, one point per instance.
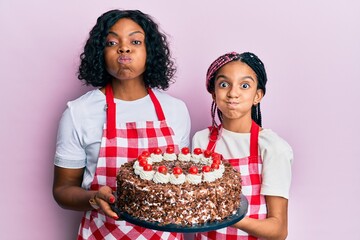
[[167, 98], [87, 98], [170, 104]]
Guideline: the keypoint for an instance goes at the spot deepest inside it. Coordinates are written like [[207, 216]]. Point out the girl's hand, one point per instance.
[[103, 198]]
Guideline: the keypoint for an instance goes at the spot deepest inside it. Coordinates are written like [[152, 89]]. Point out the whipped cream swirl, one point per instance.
[[177, 179], [194, 178], [161, 178]]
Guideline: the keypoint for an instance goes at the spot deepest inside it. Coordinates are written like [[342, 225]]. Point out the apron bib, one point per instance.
[[250, 168], [120, 143]]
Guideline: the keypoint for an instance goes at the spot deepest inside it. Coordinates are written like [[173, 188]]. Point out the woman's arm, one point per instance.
[[68, 193], [274, 227]]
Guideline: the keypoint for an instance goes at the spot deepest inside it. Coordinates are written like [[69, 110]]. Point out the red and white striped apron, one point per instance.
[[120, 143], [250, 169]]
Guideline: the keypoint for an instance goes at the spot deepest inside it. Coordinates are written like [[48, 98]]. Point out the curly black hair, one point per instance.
[[160, 67]]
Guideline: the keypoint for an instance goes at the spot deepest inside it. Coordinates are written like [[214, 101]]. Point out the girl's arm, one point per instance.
[[274, 227], [68, 193]]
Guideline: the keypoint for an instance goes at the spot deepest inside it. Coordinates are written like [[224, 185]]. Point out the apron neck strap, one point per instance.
[[158, 109], [254, 135], [110, 112]]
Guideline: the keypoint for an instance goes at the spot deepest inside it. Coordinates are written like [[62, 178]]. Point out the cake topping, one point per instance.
[[162, 169], [184, 155], [197, 155], [145, 153], [157, 151], [170, 150], [147, 167], [170, 155], [193, 170], [185, 150], [206, 168], [177, 170]]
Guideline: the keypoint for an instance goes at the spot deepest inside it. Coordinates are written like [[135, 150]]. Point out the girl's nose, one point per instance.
[[232, 93]]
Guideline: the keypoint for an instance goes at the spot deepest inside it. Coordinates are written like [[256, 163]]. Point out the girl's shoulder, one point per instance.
[[270, 140]]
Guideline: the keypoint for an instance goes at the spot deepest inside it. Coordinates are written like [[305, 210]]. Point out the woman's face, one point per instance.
[[125, 50], [236, 90]]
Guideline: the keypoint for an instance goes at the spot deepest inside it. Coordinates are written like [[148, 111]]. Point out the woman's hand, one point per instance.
[[69, 194], [103, 198]]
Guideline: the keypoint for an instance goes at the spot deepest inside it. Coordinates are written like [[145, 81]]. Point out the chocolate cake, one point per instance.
[[185, 188]]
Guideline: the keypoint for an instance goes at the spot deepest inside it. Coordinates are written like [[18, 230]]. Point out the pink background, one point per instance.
[[311, 50]]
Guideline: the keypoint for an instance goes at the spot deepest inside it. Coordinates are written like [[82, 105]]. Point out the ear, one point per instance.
[[213, 95], [258, 96]]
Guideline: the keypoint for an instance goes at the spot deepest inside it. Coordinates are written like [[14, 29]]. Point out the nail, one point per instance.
[[112, 199], [115, 217]]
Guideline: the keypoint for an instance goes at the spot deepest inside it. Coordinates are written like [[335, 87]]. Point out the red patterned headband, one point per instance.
[[217, 64]]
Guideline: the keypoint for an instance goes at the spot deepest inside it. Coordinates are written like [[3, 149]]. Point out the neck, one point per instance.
[[129, 90], [238, 125]]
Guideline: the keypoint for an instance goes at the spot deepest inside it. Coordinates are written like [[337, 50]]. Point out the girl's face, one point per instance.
[[236, 91], [125, 50]]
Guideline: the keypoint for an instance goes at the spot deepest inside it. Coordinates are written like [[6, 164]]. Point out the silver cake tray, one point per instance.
[[209, 226]]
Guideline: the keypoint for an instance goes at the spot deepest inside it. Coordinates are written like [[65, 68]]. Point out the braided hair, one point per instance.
[[254, 63]]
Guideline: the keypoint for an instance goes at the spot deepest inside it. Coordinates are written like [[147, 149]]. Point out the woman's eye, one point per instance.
[[111, 43], [223, 84], [136, 42]]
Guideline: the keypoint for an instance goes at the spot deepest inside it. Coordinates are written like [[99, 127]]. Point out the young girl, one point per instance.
[[128, 59], [237, 85]]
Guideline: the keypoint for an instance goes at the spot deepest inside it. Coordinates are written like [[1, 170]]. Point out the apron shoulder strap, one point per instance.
[[213, 137], [158, 109], [254, 134], [110, 113]]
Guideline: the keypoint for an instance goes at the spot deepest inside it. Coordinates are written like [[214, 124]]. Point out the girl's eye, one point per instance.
[[245, 85], [136, 42], [110, 43], [223, 84]]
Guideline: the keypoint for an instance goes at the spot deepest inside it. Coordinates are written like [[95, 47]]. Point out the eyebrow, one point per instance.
[[132, 33], [223, 76]]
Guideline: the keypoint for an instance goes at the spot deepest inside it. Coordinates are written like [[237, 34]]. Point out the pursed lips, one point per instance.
[[231, 104], [124, 59]]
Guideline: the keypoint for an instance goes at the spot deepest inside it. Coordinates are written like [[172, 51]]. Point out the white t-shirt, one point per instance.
[[81, 126], [276, 154]]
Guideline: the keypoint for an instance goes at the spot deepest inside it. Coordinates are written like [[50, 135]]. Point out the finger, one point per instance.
[[106, 195], [105, 207]]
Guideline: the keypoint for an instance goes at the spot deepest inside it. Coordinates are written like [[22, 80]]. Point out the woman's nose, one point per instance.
[[123, 49]]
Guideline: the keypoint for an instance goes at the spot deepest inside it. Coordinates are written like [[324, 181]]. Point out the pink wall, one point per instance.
[[311, 50]]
